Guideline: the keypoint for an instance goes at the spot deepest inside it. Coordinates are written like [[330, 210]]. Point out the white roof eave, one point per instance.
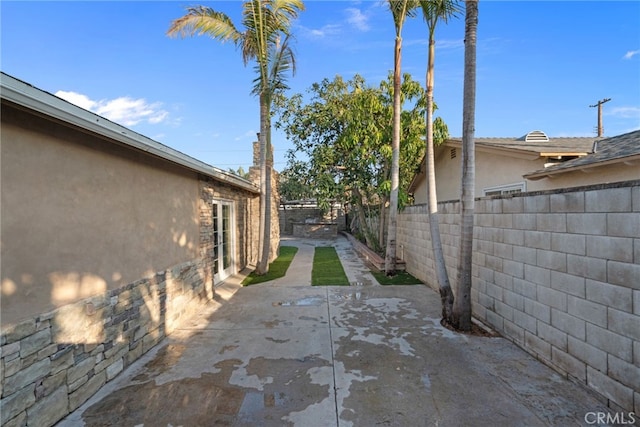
[[27, 96]]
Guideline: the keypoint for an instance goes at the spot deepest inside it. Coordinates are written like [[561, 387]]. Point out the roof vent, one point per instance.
[[535, 136]]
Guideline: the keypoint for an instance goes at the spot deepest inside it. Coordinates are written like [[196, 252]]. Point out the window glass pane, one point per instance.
[[226, 236], [216, 248]]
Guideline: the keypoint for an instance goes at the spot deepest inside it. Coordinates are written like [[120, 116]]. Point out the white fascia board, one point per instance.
[[493, 149], [621, 161], [27, 96]]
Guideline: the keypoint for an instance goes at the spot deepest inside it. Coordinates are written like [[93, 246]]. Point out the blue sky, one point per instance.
[[540, 65]]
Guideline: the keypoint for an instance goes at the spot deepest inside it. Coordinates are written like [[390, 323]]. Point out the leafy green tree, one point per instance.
[[265, 40], [341, 135], [434, 11], [461, 316], [294, 184]]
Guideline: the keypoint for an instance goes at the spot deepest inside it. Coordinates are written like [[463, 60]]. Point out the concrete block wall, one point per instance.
[[557, 272], [315, 231], [290, 215], [53, 363]]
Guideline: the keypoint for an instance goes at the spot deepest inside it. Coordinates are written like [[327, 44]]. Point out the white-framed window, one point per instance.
[[518, 187]]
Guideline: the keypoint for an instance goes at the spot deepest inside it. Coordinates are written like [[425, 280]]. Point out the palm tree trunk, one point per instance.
[[446, 293], [362, 219], [265, 209], [462, 305], [390, 258], [382, 219]]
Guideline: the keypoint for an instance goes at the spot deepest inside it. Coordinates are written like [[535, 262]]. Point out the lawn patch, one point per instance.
[[278, 268], [327, 269], [401, 278]]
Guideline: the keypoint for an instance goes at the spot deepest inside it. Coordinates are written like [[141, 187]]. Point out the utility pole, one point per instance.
[[599, 105]]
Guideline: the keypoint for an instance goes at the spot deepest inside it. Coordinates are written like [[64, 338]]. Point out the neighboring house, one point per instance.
[[507, 165], [109, 240], [611, 160]]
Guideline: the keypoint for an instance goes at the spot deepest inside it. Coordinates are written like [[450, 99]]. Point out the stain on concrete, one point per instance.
[[211, 399], [390, 386], [270, 324], [227, 348], [313, 319], [276, 340], [165, 359], [291, 390], [208, 400], [301, 302]]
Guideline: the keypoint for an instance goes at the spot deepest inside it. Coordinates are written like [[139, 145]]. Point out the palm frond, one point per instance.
[[265, 38], [285, 11], [281, 62], [402, 9], [201, 20], [439, 10], [258, 32]]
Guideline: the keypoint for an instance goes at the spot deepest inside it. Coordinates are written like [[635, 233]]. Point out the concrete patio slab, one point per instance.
[[285, 354]]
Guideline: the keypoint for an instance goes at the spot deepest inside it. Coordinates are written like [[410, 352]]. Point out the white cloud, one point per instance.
[[247, 134], [78, 99], [322, 32], [123, 110], [631, 54], [326, 30], [624, 112], [358, 19]]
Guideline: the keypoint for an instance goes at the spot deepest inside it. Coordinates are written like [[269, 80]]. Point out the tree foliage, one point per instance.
[[293, 183], [341, 134]]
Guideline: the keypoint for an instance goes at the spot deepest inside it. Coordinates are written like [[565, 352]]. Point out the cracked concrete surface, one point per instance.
[[282, 353]]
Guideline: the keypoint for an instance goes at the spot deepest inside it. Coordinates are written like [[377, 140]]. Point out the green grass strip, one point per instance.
[[327, 269], [401, 278], [278, 268]]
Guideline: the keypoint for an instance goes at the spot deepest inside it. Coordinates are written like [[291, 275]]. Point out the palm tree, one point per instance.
[[462, 305], [400, 10], [265, 39], [434, 11]]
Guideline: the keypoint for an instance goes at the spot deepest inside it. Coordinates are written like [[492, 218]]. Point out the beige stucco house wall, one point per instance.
[[108, 243], [81, 216], [492, 170]]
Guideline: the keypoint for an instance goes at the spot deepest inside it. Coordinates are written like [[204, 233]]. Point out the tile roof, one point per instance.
[[616, 148], [571, 145]]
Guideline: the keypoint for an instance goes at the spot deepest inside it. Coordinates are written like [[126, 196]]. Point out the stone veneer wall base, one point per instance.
[[53, 363]]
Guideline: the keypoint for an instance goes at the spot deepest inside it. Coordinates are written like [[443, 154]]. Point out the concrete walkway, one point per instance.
[[299, 272], [285, 353]]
